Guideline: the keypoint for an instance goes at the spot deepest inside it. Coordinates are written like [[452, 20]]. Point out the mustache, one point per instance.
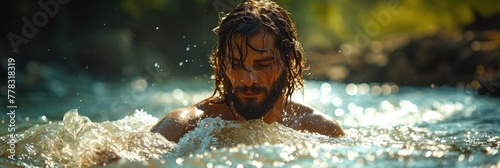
[[253, 88]]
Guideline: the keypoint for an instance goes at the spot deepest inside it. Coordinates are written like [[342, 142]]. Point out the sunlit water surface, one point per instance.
[[387, 126]]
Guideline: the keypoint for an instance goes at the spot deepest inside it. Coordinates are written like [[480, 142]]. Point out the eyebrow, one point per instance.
[[264, 59], [253, 48], [257, 60]]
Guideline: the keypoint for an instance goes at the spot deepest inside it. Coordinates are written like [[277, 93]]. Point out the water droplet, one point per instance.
[[156, 65], [363, 89], [461, 157], [179, 161], [43, 119], [178, 94], [139, 85], [339, 112], [157, 28], [181, 63], [386, 89], [194, 46], [471, 158], [376, 90], [187, 48], [325, 88], [351, 89], [337, 102]]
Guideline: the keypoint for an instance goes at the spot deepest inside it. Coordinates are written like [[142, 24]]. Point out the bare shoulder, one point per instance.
[[312, 120], [178, 122]]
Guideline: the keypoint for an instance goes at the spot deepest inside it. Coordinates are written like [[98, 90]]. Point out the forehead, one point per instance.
[[261, 41]]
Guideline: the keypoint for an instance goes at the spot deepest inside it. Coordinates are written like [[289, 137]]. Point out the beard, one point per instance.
[[253, 109]]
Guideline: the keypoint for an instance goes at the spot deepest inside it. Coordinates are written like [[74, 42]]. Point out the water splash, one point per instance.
[[215, 133], [78, 142]]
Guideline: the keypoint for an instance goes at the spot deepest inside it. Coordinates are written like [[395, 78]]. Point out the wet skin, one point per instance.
[[261, 68]]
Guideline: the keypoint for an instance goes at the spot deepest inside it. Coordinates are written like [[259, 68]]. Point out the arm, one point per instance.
[[320, 123], [176, 123]]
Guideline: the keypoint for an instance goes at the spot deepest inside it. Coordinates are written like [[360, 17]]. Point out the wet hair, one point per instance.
[[245, 21]]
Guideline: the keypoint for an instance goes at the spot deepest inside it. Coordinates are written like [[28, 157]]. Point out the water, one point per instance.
[[387, 126]]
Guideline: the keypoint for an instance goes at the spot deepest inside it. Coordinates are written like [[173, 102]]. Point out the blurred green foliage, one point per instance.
[[328, 22], [333, 21]]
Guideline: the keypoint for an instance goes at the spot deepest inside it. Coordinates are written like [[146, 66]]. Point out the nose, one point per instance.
[[249, 77]]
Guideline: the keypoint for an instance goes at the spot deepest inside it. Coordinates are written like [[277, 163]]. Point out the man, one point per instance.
[[258, 64]]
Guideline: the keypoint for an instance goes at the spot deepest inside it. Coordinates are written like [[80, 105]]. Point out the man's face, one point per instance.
[[257, 81]]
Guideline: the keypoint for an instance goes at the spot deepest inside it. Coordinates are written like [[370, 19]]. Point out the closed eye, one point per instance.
[[262, 65], [236, 64]]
